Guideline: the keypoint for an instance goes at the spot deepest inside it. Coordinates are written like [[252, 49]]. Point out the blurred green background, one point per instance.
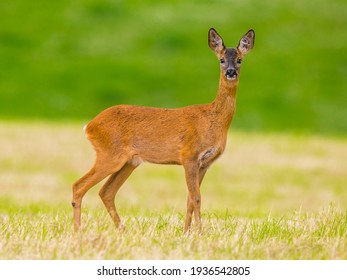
[[67, 60]]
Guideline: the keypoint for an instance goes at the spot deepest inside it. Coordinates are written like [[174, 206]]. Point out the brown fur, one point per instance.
[[194, 136]]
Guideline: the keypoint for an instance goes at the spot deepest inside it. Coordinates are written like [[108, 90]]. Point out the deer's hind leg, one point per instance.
[[110, 189], [101, 169]]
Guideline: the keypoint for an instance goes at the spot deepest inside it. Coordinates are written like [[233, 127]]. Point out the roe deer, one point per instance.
[[194, 136]]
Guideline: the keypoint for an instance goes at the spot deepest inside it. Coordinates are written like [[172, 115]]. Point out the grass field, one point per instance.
[[270, 196]]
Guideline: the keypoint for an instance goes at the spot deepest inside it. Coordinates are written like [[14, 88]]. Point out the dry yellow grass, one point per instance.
[[269, 196]]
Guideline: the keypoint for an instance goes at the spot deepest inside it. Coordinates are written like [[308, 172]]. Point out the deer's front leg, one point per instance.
[[194, 196]]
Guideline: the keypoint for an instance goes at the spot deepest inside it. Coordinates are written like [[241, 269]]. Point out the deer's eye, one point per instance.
[[222, 61], [239, 61]]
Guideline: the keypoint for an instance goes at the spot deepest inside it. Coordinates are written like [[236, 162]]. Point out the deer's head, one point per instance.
[[230, 58]]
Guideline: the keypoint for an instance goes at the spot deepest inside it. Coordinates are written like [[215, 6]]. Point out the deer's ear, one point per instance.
[[247, 42], [215, 41]]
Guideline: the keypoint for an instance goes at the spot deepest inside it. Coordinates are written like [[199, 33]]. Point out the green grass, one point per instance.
[[270, 196], [69, 60], [154, 235]]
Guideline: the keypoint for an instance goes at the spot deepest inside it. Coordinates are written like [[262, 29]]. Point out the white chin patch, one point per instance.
[[231, 78]]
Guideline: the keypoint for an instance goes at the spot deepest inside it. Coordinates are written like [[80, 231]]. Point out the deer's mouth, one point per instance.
[[231, 76]]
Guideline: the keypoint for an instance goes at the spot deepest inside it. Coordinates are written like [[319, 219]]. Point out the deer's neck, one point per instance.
[[225, 102]]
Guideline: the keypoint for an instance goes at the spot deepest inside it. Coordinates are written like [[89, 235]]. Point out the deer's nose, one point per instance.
[[231, 73]]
